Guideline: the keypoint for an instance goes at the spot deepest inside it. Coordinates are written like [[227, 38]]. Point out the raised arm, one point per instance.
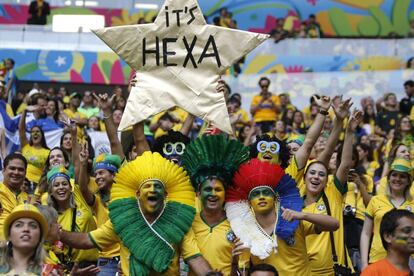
[[321, 222], [105, 103], [346, 157], [141, 143], [22, 125], [302, 155], [187, 125], [83, 177], [341, 112]]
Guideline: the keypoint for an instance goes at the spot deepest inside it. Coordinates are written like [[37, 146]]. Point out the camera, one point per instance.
[[349, 211]]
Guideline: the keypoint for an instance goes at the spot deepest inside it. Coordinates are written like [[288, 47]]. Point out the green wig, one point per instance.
[[213, 156]]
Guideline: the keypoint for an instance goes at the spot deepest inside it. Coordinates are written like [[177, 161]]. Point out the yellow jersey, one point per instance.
[[291, 259], [319, 246], [101, 212], [377, 207], [85, 223], [105, 236], [36, 161], [215, 243], [265, 112], [354, 198], [8, 201]]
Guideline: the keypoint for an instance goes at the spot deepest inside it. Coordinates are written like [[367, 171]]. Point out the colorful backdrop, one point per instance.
[[337, 17], [290, 56]]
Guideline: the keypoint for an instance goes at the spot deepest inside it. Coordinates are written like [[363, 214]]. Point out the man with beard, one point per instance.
[[153, 229], [10, 190], [211, 162]]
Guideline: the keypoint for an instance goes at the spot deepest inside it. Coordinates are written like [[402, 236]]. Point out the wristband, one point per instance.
[[323, 112]]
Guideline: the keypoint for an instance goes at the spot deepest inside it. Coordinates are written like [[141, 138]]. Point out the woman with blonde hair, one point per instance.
[[397, 196], [25, 229]]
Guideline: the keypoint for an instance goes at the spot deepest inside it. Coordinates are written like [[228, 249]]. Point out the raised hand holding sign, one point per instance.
[[178, 59]]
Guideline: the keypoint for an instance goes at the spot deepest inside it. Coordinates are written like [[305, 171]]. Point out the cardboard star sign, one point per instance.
[[178, 60]]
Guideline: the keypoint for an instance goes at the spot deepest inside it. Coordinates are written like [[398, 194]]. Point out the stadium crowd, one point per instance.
[[317, 191]]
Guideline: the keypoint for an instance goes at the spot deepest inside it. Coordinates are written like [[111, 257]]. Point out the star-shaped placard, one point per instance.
[[178, 60]]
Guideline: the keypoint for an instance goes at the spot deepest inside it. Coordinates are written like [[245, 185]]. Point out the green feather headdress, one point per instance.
[[213, 156]]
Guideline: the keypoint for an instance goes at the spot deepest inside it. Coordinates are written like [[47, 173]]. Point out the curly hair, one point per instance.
[[283, 153], [173, 137]]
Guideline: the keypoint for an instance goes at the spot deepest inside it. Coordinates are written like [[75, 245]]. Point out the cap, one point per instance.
[[33, 92], [75, 94], [25, 211], [402, 165], [110, 162], [56, 172]]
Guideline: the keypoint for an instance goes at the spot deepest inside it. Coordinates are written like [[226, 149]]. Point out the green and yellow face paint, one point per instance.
[[401, 240], [262, 199]]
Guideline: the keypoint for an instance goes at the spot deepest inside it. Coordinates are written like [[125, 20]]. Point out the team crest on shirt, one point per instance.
[[408, 208], [230, 236], [78, 213], [321, 207]]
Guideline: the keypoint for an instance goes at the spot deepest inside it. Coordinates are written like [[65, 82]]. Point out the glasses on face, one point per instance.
[[171, 148], [272, 147]]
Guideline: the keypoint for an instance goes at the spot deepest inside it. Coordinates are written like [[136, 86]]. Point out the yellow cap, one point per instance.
[[25, 211]]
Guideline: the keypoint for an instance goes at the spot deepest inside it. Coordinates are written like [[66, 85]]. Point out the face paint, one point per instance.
[[268, 152], [262, 200], [212, 194], [174, 151], [151, 196], [401, 240]]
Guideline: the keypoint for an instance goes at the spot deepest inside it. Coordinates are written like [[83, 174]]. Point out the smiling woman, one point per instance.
[[25, 229], [34, 150], [74, 214]]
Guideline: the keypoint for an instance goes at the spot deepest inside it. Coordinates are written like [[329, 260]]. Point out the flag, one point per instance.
[[52, 131]]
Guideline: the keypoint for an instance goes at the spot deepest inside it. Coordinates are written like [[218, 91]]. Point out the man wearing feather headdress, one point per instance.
[[211, 162], [151, 212]]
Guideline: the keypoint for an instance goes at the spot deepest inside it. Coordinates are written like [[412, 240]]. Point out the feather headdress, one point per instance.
[[214, 156], [254, 174], [154, 249]]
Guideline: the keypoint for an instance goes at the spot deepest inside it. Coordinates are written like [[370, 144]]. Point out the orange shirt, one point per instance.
[[383, 267]]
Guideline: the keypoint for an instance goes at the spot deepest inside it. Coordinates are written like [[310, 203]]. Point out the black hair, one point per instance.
[[12, 156], [408, 65], [409, 83], [263, 267], [11, 61], [367, 148], [172, 137], [216, 20], [42, 141], [264, 79], [284, 155], [56, 115], [389, 223], [65, 156]]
